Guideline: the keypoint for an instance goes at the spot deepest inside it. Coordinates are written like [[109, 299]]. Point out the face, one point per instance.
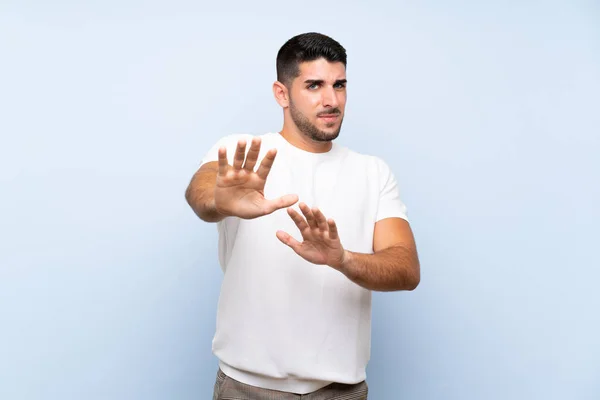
[[317, 99]]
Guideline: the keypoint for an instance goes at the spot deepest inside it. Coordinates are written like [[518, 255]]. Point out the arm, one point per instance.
[[219, 190], [394, 265], [200, 194]]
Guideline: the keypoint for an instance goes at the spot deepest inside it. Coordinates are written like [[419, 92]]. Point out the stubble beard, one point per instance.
[[309, 130]]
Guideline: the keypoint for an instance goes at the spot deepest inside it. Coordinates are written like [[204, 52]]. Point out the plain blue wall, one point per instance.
[[488, 114]]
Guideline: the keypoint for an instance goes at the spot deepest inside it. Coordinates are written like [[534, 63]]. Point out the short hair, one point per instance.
[[306, 47]]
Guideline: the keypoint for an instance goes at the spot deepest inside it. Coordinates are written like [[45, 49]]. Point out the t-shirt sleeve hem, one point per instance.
[[391, 214]]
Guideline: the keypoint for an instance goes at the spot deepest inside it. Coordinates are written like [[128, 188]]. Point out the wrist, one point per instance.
[[217, 210], [345, 266]]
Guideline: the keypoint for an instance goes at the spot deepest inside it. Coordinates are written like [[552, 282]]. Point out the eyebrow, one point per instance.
[[321, 81]]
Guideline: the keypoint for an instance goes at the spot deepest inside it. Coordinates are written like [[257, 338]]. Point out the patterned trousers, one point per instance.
[[227, 388]]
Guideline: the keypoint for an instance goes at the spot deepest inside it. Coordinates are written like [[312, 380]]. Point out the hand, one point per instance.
[[239, 190], [321, 243]]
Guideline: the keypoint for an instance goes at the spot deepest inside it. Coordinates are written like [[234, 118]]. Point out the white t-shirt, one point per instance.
[[284, 323]]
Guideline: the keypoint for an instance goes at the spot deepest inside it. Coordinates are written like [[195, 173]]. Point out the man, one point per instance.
[[303, 240]]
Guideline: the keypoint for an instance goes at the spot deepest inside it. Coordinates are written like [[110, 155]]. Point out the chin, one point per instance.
[[326, 136]]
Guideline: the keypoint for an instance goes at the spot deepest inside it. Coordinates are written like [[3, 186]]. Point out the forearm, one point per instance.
[[395, 268], [200, 195]]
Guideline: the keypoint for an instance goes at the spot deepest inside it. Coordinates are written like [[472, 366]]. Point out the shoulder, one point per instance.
[[372, 163], [374, 168]]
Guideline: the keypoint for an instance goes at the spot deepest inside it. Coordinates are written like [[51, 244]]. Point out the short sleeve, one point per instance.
[[390, 204], [229, 142]]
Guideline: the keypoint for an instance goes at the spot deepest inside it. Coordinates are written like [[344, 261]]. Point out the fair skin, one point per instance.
[[219, 189], [317, 92]]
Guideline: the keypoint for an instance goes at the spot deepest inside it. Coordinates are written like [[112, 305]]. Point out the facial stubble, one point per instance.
[[309, 129]]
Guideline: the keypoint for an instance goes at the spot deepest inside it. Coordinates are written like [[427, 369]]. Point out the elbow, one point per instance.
[[189, 198], [188, 194], [413, 283], [406, 283], [413, 278]]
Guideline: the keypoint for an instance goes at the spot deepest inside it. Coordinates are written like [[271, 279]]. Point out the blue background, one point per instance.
[[489, 115]]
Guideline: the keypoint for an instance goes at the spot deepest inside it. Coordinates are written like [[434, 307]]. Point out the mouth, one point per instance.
[[329, 117]]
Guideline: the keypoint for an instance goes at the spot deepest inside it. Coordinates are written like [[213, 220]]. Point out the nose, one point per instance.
[[330, 97]]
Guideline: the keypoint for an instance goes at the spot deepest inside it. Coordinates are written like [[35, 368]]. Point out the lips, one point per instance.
[[329, 117]]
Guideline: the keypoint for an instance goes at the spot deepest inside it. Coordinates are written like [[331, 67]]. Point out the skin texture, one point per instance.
[[219, 190], [394, 265], [318, 91]]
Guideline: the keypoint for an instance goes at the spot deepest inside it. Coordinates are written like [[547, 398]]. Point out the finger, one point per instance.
[[223, 161], [282, 202], [298, 220], [287, 239], [333, 231], [252, 154], [240, 154], [266, 164], [320, 219], [310, 218]]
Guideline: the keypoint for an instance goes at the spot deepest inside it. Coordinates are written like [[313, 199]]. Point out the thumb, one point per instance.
[[288, 240], [282, 202]]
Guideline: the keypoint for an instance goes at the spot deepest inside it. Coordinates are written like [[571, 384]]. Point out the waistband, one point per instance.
[[290, 385]]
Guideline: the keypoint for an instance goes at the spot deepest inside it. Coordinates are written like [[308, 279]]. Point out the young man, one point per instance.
[[307, 229]]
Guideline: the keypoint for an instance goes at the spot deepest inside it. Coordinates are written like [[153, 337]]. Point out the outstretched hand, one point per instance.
[[321, 243], [239, 189]]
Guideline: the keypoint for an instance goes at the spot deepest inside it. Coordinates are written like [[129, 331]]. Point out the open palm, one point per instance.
[[321, 243], [239, 189]]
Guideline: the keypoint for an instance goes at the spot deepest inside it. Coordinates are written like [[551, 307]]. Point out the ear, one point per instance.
[[281, 94]]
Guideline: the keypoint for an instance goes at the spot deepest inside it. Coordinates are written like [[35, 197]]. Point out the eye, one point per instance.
[[339, 85], [313, 86]]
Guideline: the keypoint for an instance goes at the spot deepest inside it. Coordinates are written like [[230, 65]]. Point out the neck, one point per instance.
[[296, 138]]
